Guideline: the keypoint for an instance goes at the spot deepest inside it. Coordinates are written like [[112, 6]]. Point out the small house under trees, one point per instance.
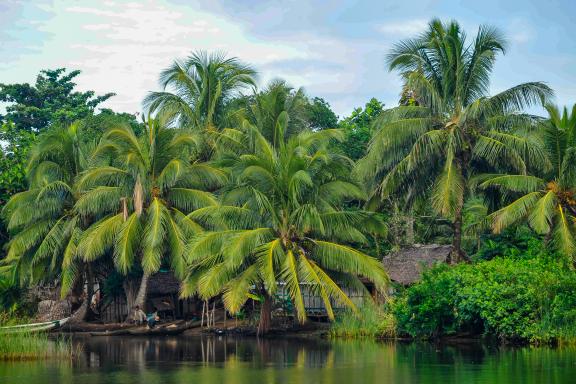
[[405, 266]]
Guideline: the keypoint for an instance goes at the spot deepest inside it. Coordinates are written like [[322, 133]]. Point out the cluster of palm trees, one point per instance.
[[237, 195], [234, 194], [453, 143]]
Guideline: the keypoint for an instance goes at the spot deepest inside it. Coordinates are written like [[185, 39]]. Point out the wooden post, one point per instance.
[[202, 318], [213, 313]]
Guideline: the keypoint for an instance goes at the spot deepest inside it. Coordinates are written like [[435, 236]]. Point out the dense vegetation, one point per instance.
[[236, 189], [529, 297]]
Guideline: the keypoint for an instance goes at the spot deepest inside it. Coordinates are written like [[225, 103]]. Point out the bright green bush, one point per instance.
[[512, 299]]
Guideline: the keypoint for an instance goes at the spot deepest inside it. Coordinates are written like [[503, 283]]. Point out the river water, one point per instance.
[[166, 360]]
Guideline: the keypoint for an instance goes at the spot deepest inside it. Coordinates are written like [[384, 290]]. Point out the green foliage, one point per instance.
[[197, 90], [10, 295], [43, 226], [239, 194], [14, 146], [51, 100], [320, 115], [515, 243], [50, 104], [278, 104], [34, 346], [546, 198], [456, 129], [280, 221], [529, 300], [371, 321], [139, 193], [358, 129], [94, 126]]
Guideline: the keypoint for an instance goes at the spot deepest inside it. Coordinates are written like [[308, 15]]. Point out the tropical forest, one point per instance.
[[230, 208]]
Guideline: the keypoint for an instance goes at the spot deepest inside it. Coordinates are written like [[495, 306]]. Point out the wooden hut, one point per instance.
[[405, 266], [163, 293]]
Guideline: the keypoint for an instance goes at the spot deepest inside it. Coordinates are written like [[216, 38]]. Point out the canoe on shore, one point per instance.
[[114, 332], [35, 327], [164, 329]]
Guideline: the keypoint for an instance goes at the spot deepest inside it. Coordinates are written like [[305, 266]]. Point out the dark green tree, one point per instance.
[[357, 128], [52, 99], [14, 146], [321, 116]]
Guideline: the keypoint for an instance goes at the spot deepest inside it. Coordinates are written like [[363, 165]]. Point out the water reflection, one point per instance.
[[168, 360], [138, 352]]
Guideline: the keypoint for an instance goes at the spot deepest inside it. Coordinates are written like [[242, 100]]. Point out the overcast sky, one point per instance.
[[334, 49]]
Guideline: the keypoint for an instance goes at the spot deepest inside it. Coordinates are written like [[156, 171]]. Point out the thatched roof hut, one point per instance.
[[406, 265], [163, 283]]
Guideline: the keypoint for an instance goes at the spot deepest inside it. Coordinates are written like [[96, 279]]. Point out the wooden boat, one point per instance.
[[114, 332], [35, 327], [163, 329]]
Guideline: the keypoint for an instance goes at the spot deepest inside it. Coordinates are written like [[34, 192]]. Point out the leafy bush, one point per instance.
[[515, 300], [517, 243]]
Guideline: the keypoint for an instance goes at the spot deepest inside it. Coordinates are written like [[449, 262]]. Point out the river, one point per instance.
[[167, 360]]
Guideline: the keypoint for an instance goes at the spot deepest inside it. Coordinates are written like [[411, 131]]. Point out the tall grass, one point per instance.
[[34, 346], [371, 322]]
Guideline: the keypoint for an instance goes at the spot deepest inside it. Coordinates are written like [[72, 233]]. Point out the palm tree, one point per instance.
[[280, 222], [197, 89], [548, 197], [277, 108], [455, 128], [45, 229], [140, 195], [279, 104]]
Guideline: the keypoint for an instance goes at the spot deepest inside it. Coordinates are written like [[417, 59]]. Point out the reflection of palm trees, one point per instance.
[[238, 360]]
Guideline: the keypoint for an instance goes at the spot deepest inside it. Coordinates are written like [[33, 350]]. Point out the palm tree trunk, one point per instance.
[[265, 315], [130, 290], [89, 291], [83, 312], [142, 291], [457, 254], [409, 218]]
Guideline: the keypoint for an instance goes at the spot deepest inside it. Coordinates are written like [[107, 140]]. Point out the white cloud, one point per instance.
[[122, 48], [401, 29]]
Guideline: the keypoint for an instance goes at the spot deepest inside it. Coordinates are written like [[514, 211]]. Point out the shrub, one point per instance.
[[516, 243], [515, 300]]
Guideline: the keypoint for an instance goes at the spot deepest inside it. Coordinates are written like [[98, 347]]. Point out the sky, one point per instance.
[[334, 49]]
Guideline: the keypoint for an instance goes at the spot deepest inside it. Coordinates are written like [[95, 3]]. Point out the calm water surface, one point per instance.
[[167, 360]]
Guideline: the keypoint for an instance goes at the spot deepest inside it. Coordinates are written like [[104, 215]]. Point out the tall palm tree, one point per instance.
[[456, 127], [547, 198], [140, 195], [281, 222], [277, 108], [197, 89], [45, 229], [279, 104]]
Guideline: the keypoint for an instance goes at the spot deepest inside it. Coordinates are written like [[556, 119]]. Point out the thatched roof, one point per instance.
[[406, 265], [163, 283]]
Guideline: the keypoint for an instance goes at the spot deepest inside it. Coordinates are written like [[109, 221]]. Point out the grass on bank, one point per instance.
[[34, 346], [370, 322]]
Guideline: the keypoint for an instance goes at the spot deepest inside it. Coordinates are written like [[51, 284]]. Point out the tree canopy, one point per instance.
[[52, 100]]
